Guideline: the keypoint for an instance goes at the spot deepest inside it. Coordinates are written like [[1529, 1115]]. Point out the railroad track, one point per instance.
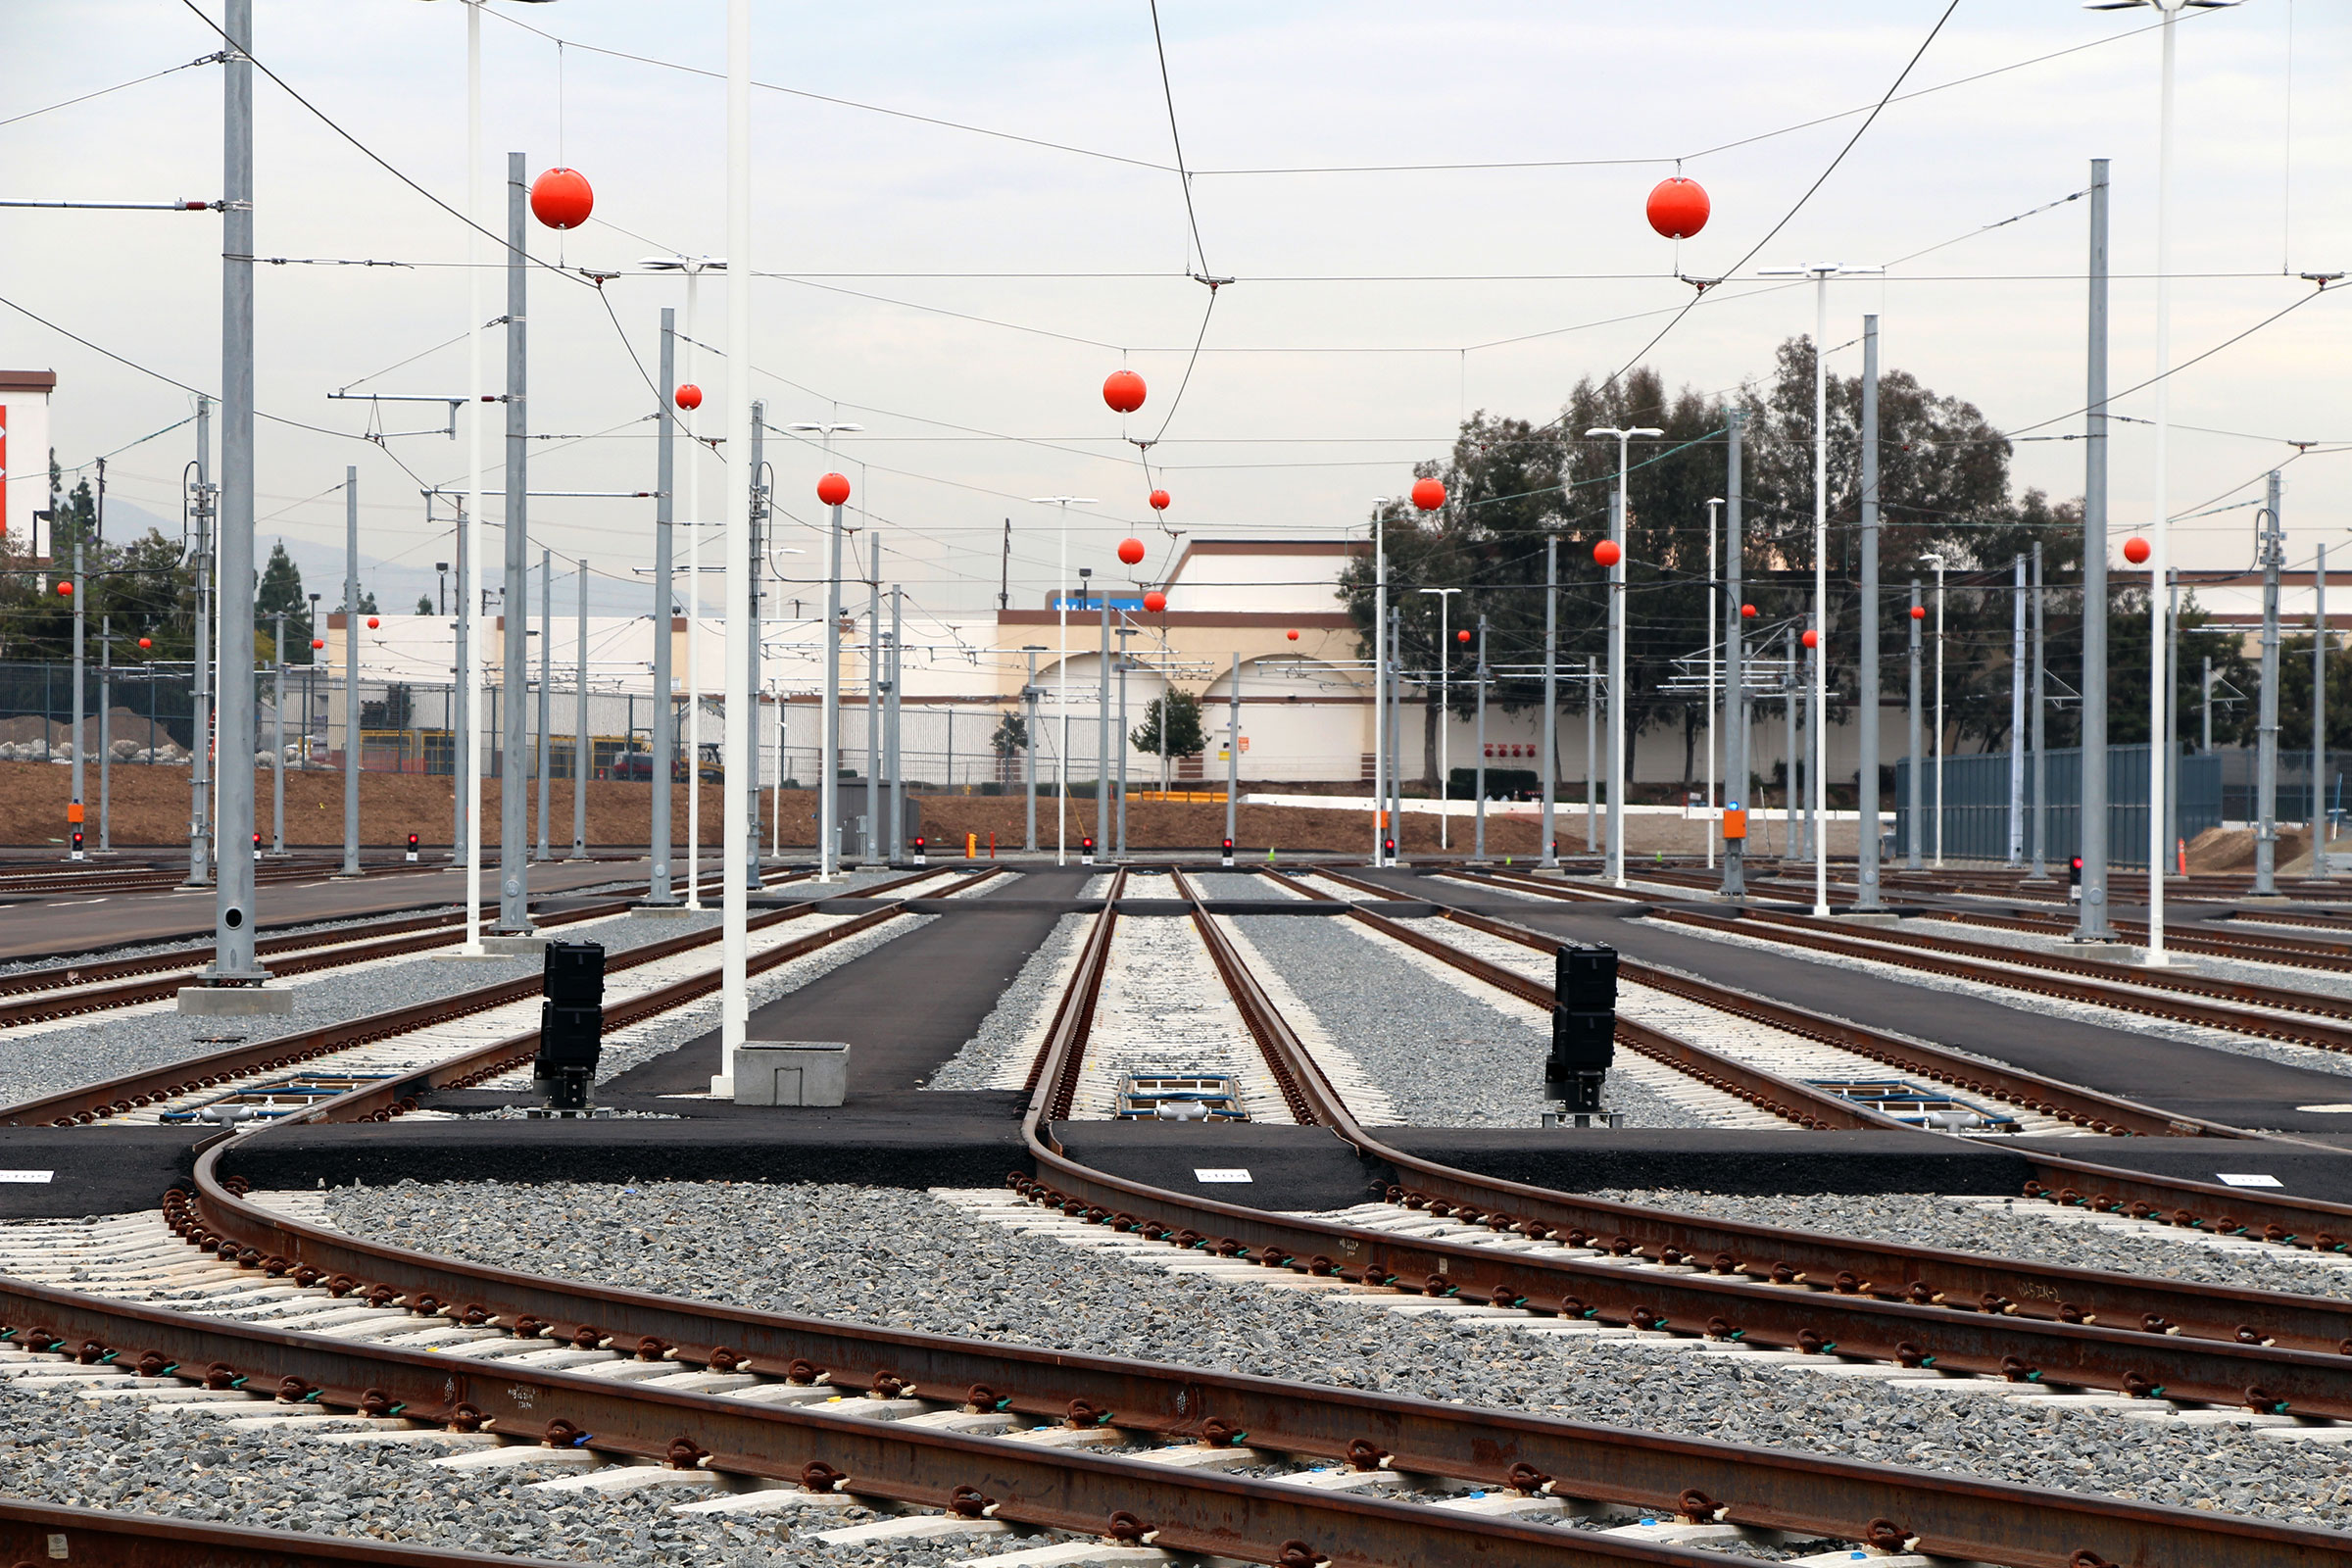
[[471, 1034], [34, 1531], [751, 1401], [43, 885], [2250, 947], [72, 990]]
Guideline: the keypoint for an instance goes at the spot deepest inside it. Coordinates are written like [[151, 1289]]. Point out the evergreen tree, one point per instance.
[[1185, 738], [281, 590], [424, 603]]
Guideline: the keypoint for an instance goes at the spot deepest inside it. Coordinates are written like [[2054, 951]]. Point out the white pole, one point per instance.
[[735, 829], [1617, 824], [1445, 713], [1380, 683], [1940, 714], [2159, 697], [469, 665], [1820, 592], [1061, 754], [694, 547]]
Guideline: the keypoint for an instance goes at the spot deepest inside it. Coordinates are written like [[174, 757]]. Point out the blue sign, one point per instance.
[[1073, 602]]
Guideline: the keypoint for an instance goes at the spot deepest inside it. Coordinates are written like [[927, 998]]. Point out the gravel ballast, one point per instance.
[[1398, 1020], [904, 1258]]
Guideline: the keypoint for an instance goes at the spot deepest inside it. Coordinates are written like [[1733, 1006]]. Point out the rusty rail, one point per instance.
[[32, 1532]]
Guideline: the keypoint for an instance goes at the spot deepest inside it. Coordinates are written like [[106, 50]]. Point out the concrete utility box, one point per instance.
[[791, 1072]]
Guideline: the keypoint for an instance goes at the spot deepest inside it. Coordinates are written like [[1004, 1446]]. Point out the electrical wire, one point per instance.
[[1176, 138], [200, 60]]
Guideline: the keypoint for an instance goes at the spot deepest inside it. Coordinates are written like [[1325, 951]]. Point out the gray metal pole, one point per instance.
[[756, 478], [2171, 719], [2091, 918], [2041, 749], [1812, 723], [873, 705], [2205, 693], [351, 671], [897, 755], [1397, 728], [1551, 704], [1866, 817], [2265, 750], [828, 742], [513, 874], [1619, 695], [547, 641], [1029, 748], [1789, 848], [1119, 744], [2319, 721], [1233, 742], [1103, 736], [277, 738], [1478, 850], [664, 717], [579, 740], [2017, 712], [462, 762], [1592, 755], [1919, 757], [107, 732], [1734, 689], [234, 913], [80, 680], [200, 701]]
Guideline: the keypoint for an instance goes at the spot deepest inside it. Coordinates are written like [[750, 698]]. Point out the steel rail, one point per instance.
[[1027, 1484], [1728, 1305], [2304, 1223], [116, 1096], [41, 1530], [1762, 1488], [2251, 947]]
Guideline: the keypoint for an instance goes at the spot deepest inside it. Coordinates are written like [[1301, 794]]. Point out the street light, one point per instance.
[[693, 267], [828, 744], [1061, 755], [1821, 272], [1445, 598], [1939, 563], [2160, 696], [1617, 568]]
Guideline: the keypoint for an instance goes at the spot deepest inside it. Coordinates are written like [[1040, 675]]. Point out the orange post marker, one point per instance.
[[971, 846], [74, 813], [1735, 824]]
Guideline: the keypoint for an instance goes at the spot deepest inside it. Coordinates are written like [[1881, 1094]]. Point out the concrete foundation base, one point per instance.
[[514, 947], [236, 1002], [660, 909], [1869, 916]]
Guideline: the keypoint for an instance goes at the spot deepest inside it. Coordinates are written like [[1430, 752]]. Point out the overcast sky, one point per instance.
[[1366, 317]]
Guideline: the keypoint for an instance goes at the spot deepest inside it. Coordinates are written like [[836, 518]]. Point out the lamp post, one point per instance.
[[1939, 563], [1617, 571], [828, 742], [1061, 667], [1445, 598], [1821, 272], [2159, 696], [1714, 630]]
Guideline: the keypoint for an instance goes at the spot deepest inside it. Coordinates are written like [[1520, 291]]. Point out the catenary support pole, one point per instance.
[[2160, 695], [1119, 744], [1941, 732], [351, 671], [278, 737], [735, 898], [898, 711], [873, 706], [1618, 692], [1233, 742], [1549, 844], [106, 741], [1379, 682], [1866, 816], [473, 740], [2205, 694], [2172, 722], [1478, 851], [462, 793], [828, 794], [2017, 712], [233, 910], [664, 718], [1919, 758], [200, 729], [2319, 721], [2041, 749], [547, 685], [580, 747], [1029, 749], [514, 902], [1396, 730], [1735, 691], [756, 510], [2091, 916], [1591, 757], [2265, 746], [1103, 732], [80, 741]]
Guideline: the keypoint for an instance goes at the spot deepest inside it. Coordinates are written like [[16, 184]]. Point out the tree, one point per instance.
[[1185, 737], [368, 603], [424, 603], [281, 590], [1011, 737]]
